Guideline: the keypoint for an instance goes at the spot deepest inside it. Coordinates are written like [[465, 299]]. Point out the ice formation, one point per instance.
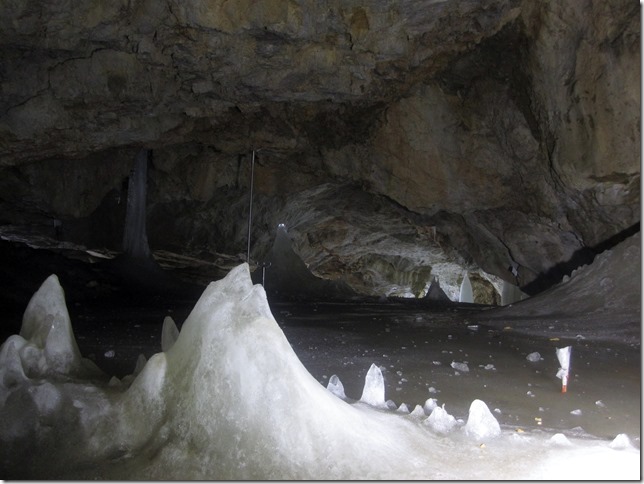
[[466, 294], [481, 424], [230, 400], [135, 239], [336, 387], [560, 439], [403, 408], [511, 294], [374, 388], [441, 421], [430, 404], [418, 412], [169, 333], [46, 343], [621, 442]]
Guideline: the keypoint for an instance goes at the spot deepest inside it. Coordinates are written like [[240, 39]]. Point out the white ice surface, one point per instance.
[[466, 295], [230, 400]]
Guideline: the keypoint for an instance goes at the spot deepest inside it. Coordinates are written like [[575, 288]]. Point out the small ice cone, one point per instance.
[[563, 355]]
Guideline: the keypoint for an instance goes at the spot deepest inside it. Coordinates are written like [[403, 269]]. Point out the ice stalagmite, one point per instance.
[[481, 424], [430, 405], [238, 404], [466, 294], [440, 421], [510, 293], [169, 333], [403, 408], [47, 343], [373, 392], [621, 442], [46, 326], [336, 387]]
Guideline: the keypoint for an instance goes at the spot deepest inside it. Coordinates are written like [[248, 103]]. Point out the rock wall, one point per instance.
[[507, 130]]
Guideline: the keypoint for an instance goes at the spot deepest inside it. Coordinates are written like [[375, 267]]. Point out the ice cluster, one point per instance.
[[227, 398]]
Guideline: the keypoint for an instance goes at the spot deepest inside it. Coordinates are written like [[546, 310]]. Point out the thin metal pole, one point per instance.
[[250, 205], [265, 266]]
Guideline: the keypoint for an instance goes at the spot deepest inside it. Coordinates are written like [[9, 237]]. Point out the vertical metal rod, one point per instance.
[[250, 205]]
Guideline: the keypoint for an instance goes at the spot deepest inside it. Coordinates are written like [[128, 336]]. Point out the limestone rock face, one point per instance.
[[585, 66], [397, 140]]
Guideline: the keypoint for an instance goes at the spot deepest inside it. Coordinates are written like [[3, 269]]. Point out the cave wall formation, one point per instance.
[[398, 140]]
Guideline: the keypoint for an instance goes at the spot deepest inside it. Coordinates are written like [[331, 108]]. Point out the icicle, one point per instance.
[[135, 239]]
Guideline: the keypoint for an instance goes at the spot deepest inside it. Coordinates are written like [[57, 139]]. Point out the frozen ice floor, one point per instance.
[[236, 397], [416, 348]]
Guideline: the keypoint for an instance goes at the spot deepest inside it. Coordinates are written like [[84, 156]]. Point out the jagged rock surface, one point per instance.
[[507, 130]]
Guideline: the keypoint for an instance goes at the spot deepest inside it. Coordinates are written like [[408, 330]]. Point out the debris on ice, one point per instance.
[[533, 357], [459, 366]]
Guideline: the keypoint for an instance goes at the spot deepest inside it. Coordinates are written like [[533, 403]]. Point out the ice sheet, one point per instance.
[[230, 400]]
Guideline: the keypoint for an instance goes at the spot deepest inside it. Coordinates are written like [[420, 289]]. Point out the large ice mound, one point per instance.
[[229, 399]]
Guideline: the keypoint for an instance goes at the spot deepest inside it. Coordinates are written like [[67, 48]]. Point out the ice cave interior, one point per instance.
[[320, 240]]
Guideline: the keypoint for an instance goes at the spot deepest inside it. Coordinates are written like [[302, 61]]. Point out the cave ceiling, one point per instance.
[[396, 140]]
